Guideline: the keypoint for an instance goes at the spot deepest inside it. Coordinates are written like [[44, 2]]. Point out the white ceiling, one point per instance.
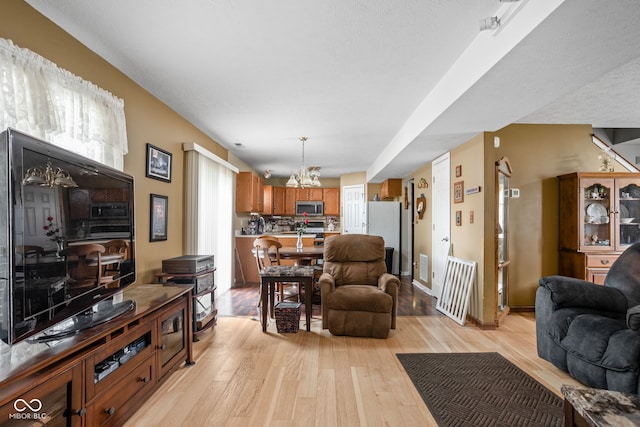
[[382, 86]]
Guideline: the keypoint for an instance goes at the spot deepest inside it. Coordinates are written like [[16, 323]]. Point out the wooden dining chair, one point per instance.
[[115, 247], [83, 264], [267, 253], [29, 251]]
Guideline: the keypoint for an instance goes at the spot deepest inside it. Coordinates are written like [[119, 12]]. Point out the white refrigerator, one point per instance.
[[383, 219]]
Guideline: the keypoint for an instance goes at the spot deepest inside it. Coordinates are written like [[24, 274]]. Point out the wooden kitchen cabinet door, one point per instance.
[[279, 201], [249, 193], [309, 194], [331, 197], [267, 201], [290, 201]]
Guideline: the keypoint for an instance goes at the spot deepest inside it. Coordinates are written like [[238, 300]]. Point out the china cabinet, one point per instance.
[[599, 219]]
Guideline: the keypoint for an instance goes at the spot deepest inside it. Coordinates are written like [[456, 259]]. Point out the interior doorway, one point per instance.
[[354, 211], [440, 238], [408, 229]]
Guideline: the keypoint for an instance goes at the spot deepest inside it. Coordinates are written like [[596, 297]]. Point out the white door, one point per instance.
[[39, 204], [354, 211], [440, 237]]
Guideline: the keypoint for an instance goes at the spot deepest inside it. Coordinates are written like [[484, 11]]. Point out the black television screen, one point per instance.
[[67, 225]]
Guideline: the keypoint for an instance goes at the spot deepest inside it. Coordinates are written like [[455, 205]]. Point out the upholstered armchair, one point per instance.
[[359, 297], [591, 331]]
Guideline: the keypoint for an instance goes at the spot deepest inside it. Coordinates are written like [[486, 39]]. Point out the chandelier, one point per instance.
[[306, 177], [48, 176]]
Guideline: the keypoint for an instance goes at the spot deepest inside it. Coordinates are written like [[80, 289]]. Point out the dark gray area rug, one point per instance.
[[481, 389]]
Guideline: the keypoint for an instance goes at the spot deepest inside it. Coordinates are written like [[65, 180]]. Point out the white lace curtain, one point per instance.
[[41, 99]]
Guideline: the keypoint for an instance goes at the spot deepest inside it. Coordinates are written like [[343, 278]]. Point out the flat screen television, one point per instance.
[[54, 199]]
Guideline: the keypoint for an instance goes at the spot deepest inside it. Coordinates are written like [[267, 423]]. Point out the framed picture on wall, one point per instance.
[[458, 192], [458, 171], [158, 223], [158, 163]]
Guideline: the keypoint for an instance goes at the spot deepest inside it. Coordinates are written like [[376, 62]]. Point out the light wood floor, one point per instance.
[[244, 377]]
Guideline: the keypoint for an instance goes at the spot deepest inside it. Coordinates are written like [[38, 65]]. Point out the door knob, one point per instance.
[[446, 239]]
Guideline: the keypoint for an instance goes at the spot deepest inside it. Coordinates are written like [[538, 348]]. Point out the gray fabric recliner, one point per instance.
[[590, 331]]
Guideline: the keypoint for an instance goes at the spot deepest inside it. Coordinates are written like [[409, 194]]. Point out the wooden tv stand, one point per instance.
[[100, 376]]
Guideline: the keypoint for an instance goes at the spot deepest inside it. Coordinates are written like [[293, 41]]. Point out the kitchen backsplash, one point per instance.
[[283, 224]]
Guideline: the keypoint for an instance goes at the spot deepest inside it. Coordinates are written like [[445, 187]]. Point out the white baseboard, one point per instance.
[[422, 287]]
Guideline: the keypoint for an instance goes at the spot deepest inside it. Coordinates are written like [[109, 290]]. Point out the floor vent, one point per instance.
[[424, 268]]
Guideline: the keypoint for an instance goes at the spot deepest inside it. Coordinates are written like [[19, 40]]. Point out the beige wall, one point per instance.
[[148, 121], [353, 179], [422, 227], [465, 238]]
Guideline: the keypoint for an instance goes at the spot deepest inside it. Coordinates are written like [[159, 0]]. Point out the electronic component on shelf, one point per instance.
[[188, 264]]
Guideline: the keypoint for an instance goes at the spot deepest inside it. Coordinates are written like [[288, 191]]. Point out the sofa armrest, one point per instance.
[[327, 284], [326, 279], [389, 283], [572, 292]]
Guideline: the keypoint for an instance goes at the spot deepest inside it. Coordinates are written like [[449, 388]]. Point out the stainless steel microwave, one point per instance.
[[310, 208], [114, 210]]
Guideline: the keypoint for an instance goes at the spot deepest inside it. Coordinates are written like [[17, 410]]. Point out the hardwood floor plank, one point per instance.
[[327, 407]]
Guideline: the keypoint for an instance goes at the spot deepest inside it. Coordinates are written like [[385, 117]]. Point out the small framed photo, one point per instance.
[[158, 163], [158, 223], [458, 192], [458, 218], [458, 171]]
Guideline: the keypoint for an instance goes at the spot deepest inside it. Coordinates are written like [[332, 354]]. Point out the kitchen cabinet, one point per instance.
[[274, 200], [267, 200], [309, 194], [279, 200], [290, 201], [391, 188], [249, 193], [599, 219], [331, 198]]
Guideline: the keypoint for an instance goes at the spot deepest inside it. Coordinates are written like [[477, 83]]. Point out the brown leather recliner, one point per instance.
[[359, 297]]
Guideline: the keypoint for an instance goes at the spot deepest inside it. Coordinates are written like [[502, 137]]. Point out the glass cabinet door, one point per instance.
[[597, 228], [628, 209], [173, 337]]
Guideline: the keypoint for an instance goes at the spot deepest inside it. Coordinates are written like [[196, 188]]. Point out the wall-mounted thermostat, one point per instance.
[[514, 193]]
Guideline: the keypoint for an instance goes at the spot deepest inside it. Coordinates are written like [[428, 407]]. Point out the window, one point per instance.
[[52, 104]]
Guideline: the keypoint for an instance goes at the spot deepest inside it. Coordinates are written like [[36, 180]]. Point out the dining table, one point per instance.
[[271, 275], [301, 256]]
